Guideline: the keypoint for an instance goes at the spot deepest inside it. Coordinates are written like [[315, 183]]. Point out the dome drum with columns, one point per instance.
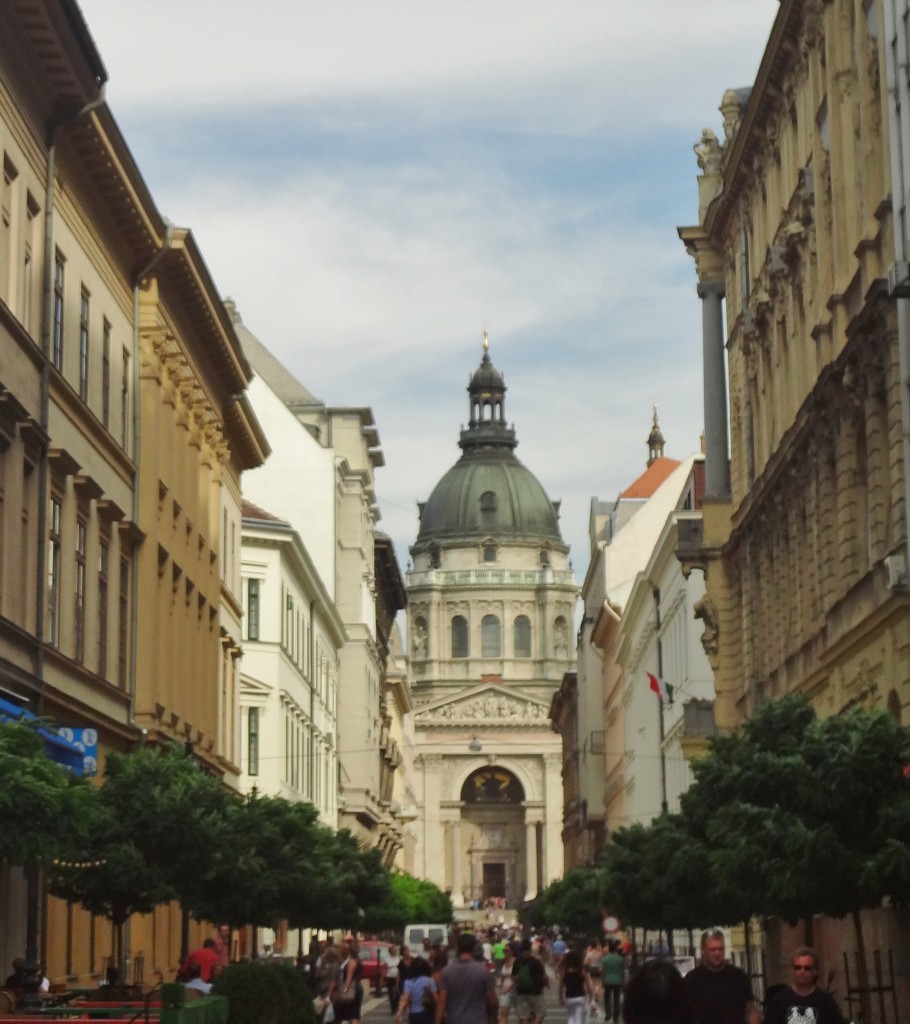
[[491, 623]]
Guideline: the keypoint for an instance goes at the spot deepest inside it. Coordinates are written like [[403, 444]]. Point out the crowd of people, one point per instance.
[[492, 978], [498, 978]]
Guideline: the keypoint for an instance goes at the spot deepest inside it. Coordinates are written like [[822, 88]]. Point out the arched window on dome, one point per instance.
[[490, 637], [488, 501], [460, 645], [521, 636]]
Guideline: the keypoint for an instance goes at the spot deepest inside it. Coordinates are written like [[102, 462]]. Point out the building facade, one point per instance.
[[799, 250], [320, 479], [491, 605], [292, 634], [124, 430], [796, 233]]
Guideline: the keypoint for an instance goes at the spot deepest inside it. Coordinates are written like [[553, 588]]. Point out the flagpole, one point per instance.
[[664, 806]]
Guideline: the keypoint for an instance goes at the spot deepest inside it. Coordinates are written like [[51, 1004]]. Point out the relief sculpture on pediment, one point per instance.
[[488, 707]]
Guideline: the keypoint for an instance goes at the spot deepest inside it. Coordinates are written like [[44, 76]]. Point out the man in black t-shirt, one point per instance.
[[803, 1000], [720, 992]]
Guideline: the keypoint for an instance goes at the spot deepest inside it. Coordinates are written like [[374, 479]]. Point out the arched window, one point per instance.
[[490, 637], [435, 556], [488, 502], [489, 552], [460, 646], [521, 636]]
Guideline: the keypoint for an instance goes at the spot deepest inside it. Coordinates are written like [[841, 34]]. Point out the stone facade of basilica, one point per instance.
[[491, 620]]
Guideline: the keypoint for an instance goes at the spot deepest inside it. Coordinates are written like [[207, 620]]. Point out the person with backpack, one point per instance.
[[530, 981]]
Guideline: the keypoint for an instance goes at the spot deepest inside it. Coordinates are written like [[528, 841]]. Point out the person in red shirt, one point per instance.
[[206, 959]]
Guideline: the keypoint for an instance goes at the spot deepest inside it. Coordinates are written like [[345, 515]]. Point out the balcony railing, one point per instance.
[[491, 577]]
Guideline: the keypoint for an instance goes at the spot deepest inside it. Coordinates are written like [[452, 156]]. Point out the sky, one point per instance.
[[375, 182]]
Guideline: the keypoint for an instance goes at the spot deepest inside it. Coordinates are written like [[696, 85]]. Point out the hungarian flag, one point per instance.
[[662, 688]]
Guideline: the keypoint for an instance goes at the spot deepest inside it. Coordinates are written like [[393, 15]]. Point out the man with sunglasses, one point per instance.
[[802, 1001]]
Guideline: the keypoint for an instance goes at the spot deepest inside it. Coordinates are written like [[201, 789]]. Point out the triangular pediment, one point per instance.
[[495, 704], [254, 689]]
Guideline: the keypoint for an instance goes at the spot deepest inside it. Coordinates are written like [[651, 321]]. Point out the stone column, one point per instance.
[[531, 859], [551, 847], [717, 456], [457, 860], [433, 849]]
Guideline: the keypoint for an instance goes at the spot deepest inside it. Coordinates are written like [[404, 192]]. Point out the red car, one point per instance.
[[371, 955]]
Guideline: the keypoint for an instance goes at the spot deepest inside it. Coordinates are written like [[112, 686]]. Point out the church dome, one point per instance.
[[488, 493]]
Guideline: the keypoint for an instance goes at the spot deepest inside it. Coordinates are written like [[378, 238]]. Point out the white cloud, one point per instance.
[[372, 182]]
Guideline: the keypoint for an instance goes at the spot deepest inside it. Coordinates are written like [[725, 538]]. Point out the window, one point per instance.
[[124, 635], [521, 636], [125, 402], [104, 553], [6, 235], [252, 740], [435, 557], [489, 552], [79, 608], [84, 311], [32, 243], [53, 572], [490, 637], [488, 501], [59, 282], [106, 375], [252, 610], [544, 556], [460, 645]]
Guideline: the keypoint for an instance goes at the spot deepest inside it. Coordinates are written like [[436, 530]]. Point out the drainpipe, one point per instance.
[[164, 249], [896, 57]]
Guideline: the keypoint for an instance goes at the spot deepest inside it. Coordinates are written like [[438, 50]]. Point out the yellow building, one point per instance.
[[804, 535], [805, 526], [123, 433]]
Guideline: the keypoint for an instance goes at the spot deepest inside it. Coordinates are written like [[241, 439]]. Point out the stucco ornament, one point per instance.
[[487, 707]]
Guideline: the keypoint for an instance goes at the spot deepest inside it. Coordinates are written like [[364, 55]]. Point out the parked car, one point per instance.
[[371, 955]]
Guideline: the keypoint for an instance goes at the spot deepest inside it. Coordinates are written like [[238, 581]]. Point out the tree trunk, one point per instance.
[[184, 933], [862, 967], [809, 930], [747, 931], [691, 942]]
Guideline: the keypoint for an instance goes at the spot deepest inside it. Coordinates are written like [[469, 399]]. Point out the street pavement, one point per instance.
[[376, 1008]]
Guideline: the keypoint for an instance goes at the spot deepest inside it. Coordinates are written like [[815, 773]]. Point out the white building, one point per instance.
[[660, 634], [491, 603], [319, 479], [292, 635]]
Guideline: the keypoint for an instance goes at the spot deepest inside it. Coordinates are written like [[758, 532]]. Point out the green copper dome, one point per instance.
[[488, 493]]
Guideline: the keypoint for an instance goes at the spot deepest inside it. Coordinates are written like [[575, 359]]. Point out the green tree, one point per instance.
[[146, 839], [410, 899], [44, 805], [574, 902]]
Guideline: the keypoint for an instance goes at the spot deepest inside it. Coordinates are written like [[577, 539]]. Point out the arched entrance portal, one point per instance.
[[493, 834]]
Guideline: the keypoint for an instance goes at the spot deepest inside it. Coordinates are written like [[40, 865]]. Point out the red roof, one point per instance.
[[250, 511], [651, 479]]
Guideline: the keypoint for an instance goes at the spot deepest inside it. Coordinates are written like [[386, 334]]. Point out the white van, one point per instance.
[[414, 934]]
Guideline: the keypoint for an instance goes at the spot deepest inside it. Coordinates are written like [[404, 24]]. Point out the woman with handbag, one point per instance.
[[348, 993], [418, 999]]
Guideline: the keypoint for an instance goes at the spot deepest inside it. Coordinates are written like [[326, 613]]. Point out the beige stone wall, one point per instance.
[[797, 231]]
